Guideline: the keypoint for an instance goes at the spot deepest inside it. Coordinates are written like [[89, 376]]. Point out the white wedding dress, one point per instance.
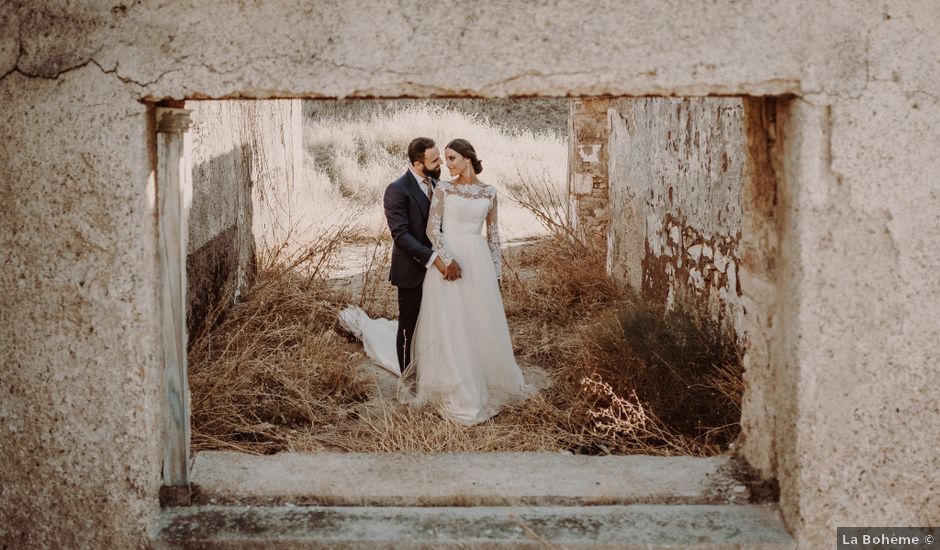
[[462, 350]]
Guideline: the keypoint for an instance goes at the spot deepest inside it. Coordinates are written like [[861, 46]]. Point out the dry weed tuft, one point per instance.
[[390, 427], [623, 424], [272, 365], [685, 369]]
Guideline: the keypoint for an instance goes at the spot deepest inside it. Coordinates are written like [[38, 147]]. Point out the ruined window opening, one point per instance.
[[587, 182]]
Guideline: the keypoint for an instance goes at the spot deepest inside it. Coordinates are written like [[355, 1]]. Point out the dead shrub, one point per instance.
[[270, 366], [684, 370]]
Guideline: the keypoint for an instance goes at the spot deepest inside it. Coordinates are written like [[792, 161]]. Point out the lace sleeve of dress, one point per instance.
[[435, 219], [492, 236]]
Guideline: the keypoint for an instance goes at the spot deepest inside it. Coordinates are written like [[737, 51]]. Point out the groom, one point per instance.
[[407, 204]]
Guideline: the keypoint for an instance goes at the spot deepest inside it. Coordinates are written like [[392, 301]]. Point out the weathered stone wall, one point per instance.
[[849, 357], [588, 128], [676, 175]]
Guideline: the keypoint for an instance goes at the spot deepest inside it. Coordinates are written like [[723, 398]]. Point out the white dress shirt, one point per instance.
[[424, 189]]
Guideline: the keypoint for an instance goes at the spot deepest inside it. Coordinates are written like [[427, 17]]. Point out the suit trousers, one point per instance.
[[409, 303]]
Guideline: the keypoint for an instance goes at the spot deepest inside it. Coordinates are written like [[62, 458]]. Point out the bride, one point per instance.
[[460, 352], [462, 348]]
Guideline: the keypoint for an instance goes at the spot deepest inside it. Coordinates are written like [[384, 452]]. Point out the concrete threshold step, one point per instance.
[[462, 479], [632, 526]]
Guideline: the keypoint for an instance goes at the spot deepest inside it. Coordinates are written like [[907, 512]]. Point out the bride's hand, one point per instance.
[[439, 264], [452, 273]]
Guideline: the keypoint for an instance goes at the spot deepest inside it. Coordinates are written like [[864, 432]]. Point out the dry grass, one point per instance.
[[274, 374], [272, 366], [393, 428], [534, 193], [563, 316], [353, 150]]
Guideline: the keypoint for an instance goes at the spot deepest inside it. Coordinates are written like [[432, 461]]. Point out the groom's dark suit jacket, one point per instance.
[[406, 209]]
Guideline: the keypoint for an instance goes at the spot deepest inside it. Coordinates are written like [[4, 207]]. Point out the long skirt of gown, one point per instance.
[[462, 348]]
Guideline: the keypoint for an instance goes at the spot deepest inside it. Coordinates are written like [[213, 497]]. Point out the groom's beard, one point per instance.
[[434, 174]]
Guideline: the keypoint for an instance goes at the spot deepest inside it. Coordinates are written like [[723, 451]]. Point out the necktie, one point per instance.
[[427, 181]]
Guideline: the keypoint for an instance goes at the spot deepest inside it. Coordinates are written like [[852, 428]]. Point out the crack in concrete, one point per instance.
[[337, 65], [911, 93], [19, 51], [82, 65], [90, 61], [829, 160], [128, 80], [8, 73], [17, 69], [530, 73]]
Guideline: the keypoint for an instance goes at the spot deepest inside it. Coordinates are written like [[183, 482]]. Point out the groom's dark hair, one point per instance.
[[417, 147]]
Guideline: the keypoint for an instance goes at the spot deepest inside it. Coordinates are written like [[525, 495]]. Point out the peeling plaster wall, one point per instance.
[[676, 173], [853, 363]]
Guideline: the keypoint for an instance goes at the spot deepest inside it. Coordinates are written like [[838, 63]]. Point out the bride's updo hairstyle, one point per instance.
[[464, 149]]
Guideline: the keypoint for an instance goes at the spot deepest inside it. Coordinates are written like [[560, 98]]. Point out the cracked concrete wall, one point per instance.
[[80, 342], [851, 365], [676, 171]]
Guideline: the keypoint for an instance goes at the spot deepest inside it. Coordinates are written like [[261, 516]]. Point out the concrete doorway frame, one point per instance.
[[171, 122]]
